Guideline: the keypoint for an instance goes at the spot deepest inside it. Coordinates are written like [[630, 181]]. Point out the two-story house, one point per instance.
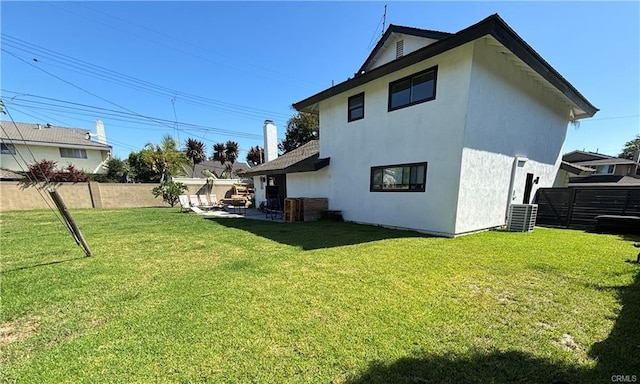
[[589, 168], [440, 132], [24, 144]]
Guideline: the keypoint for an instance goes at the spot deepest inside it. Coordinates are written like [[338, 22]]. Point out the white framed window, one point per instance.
[[74, 153]]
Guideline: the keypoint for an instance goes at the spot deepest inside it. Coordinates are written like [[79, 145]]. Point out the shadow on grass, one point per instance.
[[316, 234], [4, 271], [496, 367], [619, 353], [618, 359]]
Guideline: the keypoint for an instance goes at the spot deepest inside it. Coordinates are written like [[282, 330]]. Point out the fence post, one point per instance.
[[572, 201]]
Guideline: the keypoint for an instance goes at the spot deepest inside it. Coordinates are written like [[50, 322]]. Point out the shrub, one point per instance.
[[169, 191]]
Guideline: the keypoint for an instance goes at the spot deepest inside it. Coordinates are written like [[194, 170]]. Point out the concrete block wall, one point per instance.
[[14, 197]]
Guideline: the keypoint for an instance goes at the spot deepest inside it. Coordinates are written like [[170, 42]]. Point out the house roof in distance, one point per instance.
[[218, 169], [609, 161], [29, 133], [302, 159], [605, 180], [575, 168], [580, 156], [512, 45]]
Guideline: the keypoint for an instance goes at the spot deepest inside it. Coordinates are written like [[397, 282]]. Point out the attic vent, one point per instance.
[[399, 48]]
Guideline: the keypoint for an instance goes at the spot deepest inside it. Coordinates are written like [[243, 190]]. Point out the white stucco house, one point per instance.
[[438, 132], [24, 144]]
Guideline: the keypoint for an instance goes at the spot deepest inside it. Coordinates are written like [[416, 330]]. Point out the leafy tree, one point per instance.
[[629, 148], [301, 129], [166, 159], [170, 191], [195, 152], [116, 170], [255, 156], [140, 170]]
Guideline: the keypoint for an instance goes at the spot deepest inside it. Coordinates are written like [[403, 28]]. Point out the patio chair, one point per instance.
[[194, 201], [184, 203], [204, 202]]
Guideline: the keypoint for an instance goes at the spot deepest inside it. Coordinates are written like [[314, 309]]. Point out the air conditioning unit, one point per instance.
[[522, 217]]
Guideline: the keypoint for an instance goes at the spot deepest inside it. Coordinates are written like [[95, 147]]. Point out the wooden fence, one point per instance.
[[577, 207]]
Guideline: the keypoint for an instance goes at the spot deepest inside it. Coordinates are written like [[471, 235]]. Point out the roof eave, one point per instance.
[[492, 25]]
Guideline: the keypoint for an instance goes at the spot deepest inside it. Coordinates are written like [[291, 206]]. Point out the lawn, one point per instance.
[[170, 297]]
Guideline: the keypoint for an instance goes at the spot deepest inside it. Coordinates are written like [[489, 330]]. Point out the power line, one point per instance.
[[32, 178], [58, 105], [49, 57], [295, 81]]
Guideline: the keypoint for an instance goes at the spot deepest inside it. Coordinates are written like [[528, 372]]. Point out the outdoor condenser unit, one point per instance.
[[522, 217]]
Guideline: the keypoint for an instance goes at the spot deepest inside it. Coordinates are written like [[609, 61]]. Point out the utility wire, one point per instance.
[[49, 57], [164, 36], [32, 178]]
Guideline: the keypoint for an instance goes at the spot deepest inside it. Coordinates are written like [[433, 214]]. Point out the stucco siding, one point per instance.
[[509, 115], [309, 184], [92, 164], [429, 132]]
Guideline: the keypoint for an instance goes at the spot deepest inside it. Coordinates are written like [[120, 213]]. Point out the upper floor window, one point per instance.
[[414, 89], [399, 178], [356, 107], [605, 169], [75, 153], [7, 149]]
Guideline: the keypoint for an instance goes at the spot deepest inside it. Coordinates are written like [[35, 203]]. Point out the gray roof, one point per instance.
[[43, 133], [604, 180], [217, 169], [302, 159], [580, 156], [575, 168], [6, 174], [610, 161], [493, 26]]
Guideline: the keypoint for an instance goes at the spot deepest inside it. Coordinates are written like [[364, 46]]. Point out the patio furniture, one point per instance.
[[213, 199], [194, 201], [204, 202], [184, 203]]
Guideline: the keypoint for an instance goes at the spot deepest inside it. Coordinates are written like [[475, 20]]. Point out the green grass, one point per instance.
[[171, 297]]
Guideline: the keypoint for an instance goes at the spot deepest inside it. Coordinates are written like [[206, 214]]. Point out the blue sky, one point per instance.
[[214, 71]]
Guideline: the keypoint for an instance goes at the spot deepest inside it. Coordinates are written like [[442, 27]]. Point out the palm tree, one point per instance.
[[231, 151], [165, 158], [195, 152], [255, 155], [219, 153]]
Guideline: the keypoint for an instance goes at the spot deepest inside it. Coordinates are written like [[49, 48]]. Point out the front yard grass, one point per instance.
[[170, 297]]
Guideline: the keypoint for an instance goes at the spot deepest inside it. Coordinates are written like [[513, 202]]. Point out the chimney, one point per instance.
[[270, 141], [39, 126], [636, 156], [102, 138]]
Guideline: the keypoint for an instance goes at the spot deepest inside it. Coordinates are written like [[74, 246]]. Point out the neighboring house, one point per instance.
[[580, 167], [440, 132], [218, 169], [23, 144]]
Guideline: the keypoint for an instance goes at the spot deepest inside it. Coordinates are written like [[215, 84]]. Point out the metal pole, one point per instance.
[[69, 220]]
